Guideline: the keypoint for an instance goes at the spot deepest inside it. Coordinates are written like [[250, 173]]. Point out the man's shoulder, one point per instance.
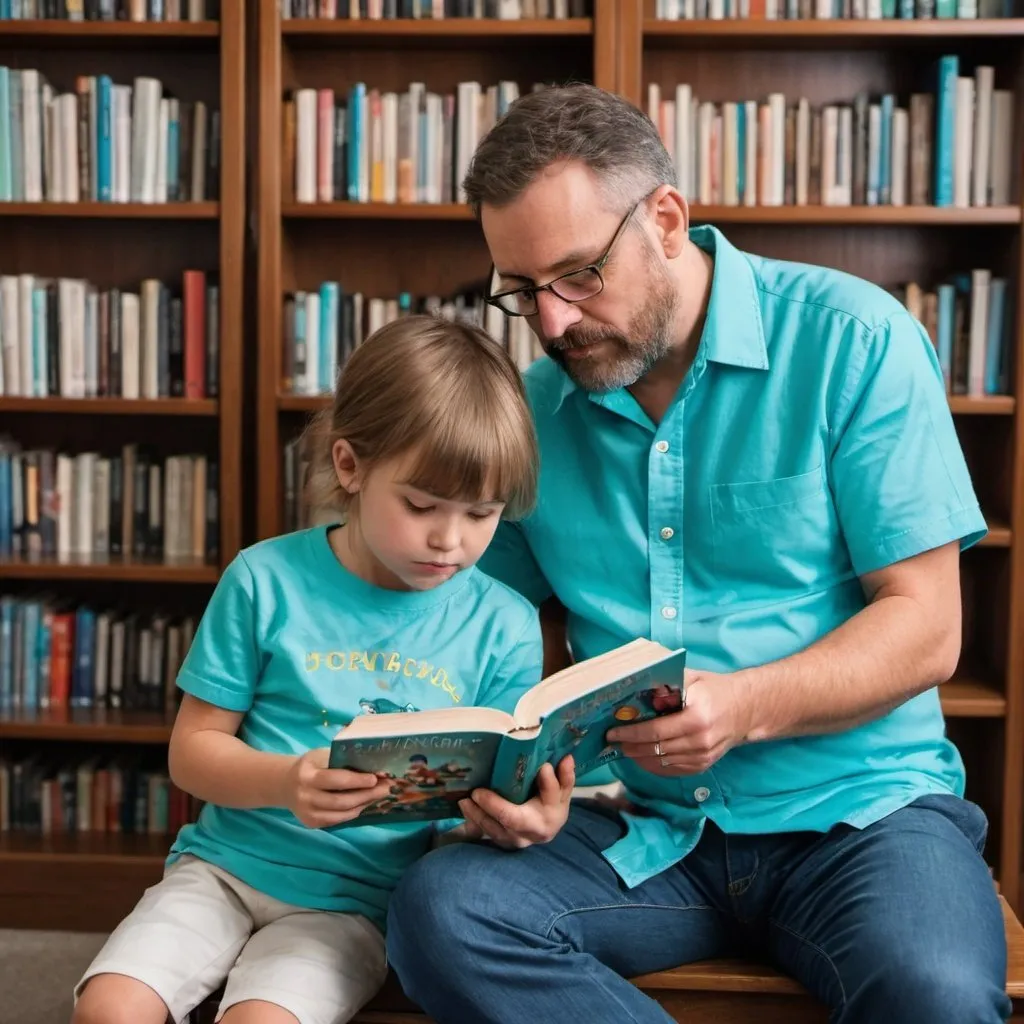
[[812, 292]]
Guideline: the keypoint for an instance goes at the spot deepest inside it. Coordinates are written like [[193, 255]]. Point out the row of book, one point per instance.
[[323, 327], [90, 506], [841, 10], [110, 10], [103, 141], [434, 10], [67, 338], [94, 794], [968, 319], [953, 147], [369, 145], [57, 655]]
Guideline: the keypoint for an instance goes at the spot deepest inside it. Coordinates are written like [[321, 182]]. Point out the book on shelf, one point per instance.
[[831, 10], [104, 141], [323, 326], [969, 320], [365, 144], [133, 503], [77, 11], [57, 794], [949, 146], [433, 10], [59, 655], [66, 338], [433, 759]]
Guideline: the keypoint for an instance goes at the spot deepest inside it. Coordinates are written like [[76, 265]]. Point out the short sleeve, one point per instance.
[[899, 475], [521, 668], [508, 558], [222, 665]]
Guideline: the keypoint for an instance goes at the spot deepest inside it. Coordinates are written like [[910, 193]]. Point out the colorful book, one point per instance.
[[436, 758]]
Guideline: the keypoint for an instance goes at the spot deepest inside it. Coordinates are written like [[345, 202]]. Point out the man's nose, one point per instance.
[[556, 315]]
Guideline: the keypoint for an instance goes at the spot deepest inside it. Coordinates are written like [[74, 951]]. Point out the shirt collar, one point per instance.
[[733, 331]]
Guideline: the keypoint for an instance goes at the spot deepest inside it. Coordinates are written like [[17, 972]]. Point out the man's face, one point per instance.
[[562, 223]]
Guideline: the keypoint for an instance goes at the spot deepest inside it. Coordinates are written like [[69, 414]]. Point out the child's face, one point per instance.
[[416, 539]]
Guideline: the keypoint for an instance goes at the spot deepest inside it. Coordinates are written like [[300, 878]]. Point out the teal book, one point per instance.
[[434, 759]]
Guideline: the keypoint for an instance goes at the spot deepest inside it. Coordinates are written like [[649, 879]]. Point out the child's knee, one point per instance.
[[118, 999]]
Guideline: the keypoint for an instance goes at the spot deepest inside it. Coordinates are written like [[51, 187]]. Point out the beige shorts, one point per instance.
[[200, 926]]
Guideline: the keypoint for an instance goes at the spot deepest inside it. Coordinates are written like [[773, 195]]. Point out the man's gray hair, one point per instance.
[[617, 141]]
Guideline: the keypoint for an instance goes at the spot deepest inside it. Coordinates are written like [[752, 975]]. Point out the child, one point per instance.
[[428, 443]]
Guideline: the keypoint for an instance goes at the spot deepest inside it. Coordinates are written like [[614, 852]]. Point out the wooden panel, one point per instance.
[[111, 406], [128, 33], [92, 725], [408, 32]]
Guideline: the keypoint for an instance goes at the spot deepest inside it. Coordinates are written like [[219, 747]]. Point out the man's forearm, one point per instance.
[[889, 652]]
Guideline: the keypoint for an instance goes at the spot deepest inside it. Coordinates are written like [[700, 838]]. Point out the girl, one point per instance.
[[428, 443]]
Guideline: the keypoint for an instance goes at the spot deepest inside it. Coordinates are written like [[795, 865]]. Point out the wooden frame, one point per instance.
[[89, 880]]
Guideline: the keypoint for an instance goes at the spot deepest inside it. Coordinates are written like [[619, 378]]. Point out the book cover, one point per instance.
[[434, 759]]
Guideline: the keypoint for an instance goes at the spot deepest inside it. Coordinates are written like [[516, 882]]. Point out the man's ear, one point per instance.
[[672, 221], [346, 466]]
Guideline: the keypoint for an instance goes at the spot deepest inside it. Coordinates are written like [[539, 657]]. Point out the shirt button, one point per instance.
[[667, 533], [668, 612], [662, 446], [701, 793]]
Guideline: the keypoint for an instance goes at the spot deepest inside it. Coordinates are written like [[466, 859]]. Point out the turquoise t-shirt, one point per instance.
[[811, 442], [302, 646]]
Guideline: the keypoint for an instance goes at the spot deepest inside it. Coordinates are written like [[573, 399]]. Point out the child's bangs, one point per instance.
[[475, 460]]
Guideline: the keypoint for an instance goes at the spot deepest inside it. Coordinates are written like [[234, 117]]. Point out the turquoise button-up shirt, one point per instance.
[[811, 442]]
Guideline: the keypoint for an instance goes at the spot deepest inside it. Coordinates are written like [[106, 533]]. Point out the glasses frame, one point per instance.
[[597, 267]]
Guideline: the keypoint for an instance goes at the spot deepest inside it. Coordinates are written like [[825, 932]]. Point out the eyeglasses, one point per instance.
[[575, 286]]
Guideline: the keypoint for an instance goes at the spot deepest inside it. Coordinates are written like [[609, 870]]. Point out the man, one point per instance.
[[755, 460]]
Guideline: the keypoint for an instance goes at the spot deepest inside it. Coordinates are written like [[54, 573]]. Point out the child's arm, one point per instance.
[[209, 761]]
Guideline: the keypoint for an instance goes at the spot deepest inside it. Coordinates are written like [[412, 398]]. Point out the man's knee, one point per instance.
[[430, 909]]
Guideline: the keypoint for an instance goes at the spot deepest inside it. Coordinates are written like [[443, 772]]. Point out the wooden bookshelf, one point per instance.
[[829, 61], [301, 243], [88, 880]]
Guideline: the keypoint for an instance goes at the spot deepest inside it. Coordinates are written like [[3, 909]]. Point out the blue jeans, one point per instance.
[[897, 922]]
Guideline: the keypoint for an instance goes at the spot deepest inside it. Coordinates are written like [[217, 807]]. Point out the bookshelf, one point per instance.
[[88, 879], [828, 61], [355, 243]]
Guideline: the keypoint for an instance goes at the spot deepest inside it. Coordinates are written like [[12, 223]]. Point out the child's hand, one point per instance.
[[320, 796], [516, 826]]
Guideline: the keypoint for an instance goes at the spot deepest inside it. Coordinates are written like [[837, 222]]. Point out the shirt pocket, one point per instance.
[[774, 535]]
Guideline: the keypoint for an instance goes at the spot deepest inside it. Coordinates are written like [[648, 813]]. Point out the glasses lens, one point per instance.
[[584, 284]]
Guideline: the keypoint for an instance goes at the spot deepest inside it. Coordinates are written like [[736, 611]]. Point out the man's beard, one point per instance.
[[627, 358]]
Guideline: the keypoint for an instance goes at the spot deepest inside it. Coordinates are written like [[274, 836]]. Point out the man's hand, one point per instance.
[[516, 826], [320, 796], [690, 741]]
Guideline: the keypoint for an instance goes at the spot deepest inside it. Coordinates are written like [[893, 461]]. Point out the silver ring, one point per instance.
[[657, 748]]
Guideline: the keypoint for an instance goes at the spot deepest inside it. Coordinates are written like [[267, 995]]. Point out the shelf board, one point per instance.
[[961, 405], [987, 405], [112, 567], [119, 211], [874, 33], [377, 211], [89, 33], [905, 216], [79, 847], [969, 697], [415, 32], [113, 406], [999, 536], [90, 725], [908, 216]]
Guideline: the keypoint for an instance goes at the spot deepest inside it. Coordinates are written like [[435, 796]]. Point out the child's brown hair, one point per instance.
[[444, 390]]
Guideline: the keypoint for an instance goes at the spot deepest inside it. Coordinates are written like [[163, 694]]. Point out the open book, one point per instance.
[[436, 758]]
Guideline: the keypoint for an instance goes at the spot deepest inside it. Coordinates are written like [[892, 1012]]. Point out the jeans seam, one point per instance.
[[817, 949], [617, 906]]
